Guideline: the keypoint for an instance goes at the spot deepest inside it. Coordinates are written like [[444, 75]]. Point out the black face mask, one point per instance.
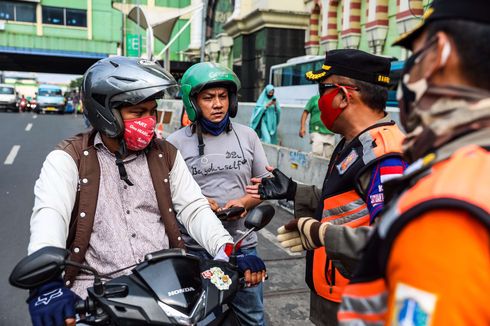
[[406, 94]]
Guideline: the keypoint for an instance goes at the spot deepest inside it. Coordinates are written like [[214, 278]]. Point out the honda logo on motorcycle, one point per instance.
[[179, 291]]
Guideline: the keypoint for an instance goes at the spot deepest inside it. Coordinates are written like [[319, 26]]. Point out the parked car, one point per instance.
[[50, 99], [8, 98]]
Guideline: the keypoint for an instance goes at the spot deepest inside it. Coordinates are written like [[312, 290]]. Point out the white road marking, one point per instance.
[[272, 238], [11, 157], [29, 126], [34, 116]]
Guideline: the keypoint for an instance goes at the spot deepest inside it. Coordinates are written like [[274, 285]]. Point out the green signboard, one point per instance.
[[133, 42]]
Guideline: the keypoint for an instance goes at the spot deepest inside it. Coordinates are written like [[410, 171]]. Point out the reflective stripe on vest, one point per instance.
[[345, 209], [329, 277], [364, 304]]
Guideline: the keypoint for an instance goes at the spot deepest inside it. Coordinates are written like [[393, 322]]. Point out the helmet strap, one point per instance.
[[120, 153], [201, 144]]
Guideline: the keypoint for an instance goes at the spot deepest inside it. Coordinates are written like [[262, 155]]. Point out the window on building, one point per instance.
[[64, 16], [25, 12], [75, 17], [53, 15], [18, 11]]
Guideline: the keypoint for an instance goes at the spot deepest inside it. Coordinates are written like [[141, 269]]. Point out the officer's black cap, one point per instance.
[[355, 64], [470, 10]]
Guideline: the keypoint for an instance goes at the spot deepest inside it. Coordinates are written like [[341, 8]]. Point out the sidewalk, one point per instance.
[[286, 296]]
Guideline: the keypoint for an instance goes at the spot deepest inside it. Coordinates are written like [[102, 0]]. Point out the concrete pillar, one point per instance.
[[377, 25], [212, 50], [39, 20], [351, 25], [89, 19], [196, 26], [225, 43], [329, 38]]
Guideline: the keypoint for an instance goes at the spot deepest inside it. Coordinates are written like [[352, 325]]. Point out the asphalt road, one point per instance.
[[26, 139]]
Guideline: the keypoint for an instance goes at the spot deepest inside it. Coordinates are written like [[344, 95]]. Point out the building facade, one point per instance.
[[368, 25], [252, 35], [68, 36]]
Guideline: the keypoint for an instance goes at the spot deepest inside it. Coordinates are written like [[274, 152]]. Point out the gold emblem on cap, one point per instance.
[[383, 79], [310, 75]]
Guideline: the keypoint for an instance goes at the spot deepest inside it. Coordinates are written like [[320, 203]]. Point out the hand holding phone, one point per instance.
[[225, 214]]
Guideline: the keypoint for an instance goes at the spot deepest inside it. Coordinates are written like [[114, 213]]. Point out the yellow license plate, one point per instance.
[[50, 108]]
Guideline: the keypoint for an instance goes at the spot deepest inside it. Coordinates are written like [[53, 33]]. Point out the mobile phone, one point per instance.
[[230, 212]]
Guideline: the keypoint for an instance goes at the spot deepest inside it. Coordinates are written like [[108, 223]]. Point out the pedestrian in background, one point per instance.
[[266, 115], [322, 140]]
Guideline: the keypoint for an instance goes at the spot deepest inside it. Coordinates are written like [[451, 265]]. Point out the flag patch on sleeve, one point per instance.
[[390, 172]]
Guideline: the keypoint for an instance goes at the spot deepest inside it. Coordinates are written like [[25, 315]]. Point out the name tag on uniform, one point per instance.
[[347, 162]]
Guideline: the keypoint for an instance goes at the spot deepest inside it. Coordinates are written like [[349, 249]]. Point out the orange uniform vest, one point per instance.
[[342, 204], [445, 185]]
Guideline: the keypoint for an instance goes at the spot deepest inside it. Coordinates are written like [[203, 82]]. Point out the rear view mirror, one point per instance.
[[42, 266], [259, 217]]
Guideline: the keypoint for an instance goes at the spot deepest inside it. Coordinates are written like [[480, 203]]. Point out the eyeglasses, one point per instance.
[[322, 88]]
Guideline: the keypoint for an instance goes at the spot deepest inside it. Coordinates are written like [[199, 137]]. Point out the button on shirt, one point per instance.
[[127, 222]]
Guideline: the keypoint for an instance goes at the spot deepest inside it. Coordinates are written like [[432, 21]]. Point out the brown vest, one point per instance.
[[160, 157]]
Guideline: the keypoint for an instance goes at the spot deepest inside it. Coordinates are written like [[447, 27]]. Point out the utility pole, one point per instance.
[[124, 42], [139, 28], [203, 34]]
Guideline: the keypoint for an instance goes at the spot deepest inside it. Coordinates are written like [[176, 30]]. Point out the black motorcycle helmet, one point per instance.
[[114, 82]]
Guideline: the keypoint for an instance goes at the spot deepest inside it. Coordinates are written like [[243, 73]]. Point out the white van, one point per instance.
[[8, 98]]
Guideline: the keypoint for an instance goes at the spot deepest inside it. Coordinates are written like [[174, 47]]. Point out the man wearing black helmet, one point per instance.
[[222, 157], [428, 261], [116, 193]]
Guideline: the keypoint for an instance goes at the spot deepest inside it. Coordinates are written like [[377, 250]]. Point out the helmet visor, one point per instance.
[[145, 94]]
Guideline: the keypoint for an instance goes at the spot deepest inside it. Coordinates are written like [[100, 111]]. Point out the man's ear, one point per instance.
[[346, 98], [444, 50]]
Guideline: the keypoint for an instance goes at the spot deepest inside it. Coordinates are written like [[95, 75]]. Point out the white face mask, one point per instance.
[[410, 94]]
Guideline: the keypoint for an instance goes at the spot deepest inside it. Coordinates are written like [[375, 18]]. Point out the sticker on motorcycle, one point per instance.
[[218, 278]]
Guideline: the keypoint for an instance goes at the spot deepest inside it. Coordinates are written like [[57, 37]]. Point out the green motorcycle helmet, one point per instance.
[[207, 75]]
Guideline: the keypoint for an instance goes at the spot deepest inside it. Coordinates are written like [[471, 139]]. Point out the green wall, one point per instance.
[[75, 4], [107, 30]]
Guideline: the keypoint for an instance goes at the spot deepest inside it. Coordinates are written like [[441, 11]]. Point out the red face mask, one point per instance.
[[328, 113], [139, 132]]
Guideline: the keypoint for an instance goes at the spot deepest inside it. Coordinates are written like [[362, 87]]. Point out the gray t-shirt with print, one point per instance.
[[228, 163]]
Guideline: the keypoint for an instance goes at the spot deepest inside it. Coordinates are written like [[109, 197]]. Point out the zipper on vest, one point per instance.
[[332, 277]]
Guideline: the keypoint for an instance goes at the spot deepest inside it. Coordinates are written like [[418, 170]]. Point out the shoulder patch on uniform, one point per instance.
[[347, 162], [413, 306]]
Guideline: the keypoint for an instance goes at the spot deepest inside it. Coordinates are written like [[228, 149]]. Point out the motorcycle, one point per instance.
[[169, 287], [33, 105], [24, 105]]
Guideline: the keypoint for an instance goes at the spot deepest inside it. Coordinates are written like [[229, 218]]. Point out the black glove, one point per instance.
[[251, 262], [277, 187], [51, 304]]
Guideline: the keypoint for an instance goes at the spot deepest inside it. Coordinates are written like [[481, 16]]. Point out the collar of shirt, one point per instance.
[[100, 146]]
